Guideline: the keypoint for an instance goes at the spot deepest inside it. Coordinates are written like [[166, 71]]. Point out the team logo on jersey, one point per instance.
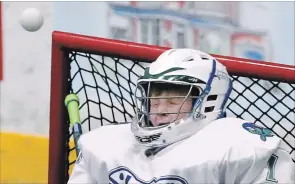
[[125, 175], [148, 139], [255, 129]]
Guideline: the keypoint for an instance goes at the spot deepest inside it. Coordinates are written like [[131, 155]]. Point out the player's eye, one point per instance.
[[175, 102], [154, 103]]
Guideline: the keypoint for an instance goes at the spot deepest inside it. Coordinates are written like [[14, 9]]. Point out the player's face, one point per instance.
[[163, 106]]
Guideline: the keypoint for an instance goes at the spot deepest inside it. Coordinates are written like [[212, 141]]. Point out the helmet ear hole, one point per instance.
[[209, 109], [211, 97]]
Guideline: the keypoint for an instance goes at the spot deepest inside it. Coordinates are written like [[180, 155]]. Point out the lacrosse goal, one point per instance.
[[103, 73]]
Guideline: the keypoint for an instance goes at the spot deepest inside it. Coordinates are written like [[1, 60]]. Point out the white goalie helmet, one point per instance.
[[197, 70]]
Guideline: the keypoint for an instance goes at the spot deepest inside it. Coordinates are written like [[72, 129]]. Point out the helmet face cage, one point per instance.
[[201, 84], [143, 95]]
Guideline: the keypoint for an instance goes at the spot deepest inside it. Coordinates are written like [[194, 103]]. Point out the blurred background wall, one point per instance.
[[256, 30]]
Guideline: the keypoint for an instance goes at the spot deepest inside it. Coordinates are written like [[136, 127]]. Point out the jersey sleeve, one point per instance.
[[254, 155], [80, 172], [279, 169]]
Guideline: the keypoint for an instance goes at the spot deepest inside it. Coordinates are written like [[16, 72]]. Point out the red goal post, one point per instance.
[[255, 83]]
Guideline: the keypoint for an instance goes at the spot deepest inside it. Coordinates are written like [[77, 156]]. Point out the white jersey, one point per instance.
[[228, 150]]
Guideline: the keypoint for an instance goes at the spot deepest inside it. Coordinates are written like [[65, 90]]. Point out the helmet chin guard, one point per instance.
[[167, 134]]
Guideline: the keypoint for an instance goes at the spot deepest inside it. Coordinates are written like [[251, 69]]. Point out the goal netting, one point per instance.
[[103, 74]]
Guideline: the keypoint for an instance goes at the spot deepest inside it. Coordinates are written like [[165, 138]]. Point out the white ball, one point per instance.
[[31, 19]]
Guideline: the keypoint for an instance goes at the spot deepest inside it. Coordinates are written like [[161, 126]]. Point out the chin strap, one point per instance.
[[153, 151]]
